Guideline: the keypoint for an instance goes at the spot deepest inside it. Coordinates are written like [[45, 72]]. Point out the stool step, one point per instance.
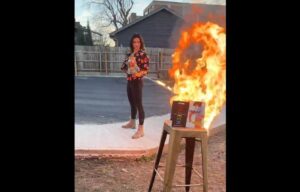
[[176, 165], [197, 173], [162, 180], [190, 185]]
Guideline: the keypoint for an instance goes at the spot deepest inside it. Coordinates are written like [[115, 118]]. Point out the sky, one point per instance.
[[83, 13]]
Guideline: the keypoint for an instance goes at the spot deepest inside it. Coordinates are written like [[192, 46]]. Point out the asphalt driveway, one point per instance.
[[100, 100]]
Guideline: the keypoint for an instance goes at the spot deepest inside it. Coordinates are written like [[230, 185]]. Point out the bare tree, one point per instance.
[[115, 12]]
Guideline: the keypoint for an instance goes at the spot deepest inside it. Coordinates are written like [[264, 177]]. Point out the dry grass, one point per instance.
[[127, 175]]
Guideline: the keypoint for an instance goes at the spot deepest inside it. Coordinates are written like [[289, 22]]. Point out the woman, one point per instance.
[[136, 65]]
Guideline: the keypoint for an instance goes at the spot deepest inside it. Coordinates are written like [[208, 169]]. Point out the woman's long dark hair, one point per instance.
[[136, 35]]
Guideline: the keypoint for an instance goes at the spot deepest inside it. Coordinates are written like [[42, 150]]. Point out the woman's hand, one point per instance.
[[132, 61]]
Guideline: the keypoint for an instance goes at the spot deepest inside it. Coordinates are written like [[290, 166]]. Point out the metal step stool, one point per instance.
[[176, 134]]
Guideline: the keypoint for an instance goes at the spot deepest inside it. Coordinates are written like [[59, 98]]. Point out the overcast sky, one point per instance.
[[82, 13]]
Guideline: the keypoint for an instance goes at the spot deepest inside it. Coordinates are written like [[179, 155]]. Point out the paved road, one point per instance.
[[100, 100]]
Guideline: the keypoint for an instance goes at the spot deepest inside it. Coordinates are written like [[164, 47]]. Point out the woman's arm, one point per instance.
[[143, 63]]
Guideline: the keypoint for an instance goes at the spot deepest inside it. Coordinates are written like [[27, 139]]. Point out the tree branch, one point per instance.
[[116, 11]]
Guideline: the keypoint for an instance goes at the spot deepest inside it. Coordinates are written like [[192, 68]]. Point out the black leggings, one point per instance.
[[134, 93]]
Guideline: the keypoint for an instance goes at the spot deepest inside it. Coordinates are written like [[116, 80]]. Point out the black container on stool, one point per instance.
[[179, 113]]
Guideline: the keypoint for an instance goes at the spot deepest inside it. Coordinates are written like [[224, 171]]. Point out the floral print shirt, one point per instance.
[[136, 65]]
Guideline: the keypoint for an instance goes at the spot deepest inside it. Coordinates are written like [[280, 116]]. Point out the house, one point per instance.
[[133, 17], [162, 20], [85, 36], [155, 28]]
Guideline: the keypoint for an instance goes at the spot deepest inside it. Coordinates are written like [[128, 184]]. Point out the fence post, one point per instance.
[[76, 71], [100, 62], [159, 64], [105, 57]]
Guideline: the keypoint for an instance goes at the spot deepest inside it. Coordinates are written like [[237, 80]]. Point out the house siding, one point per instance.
[[155, 30]]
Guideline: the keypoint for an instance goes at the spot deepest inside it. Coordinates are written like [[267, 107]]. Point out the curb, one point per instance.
[[134, 153]]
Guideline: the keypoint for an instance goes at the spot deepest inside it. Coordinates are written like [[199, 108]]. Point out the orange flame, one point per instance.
[[201, 76]]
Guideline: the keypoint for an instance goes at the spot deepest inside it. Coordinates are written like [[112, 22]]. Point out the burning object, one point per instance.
[[188, 114], [201, 76], [179, 113], [195, 118]]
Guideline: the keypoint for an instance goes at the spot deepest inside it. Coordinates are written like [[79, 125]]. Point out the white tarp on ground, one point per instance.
[[113, 137]]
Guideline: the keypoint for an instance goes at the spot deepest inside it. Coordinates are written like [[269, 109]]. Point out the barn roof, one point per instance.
[[143, 18]]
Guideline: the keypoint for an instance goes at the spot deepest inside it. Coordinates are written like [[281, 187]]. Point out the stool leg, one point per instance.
[[173, 152], [158, 156], [189, 156], [204, 146]]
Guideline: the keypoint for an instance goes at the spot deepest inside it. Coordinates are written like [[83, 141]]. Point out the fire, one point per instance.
[[201, 76]]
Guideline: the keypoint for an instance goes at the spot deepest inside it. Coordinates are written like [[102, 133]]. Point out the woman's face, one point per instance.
[[136, 43]]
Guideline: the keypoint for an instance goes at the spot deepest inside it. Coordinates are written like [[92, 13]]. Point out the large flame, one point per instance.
[[201, 76]]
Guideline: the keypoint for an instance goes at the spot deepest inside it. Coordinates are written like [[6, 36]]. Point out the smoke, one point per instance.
[[192, 13]]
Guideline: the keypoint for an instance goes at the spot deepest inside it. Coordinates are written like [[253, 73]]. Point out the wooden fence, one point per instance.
[[107, 60]]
